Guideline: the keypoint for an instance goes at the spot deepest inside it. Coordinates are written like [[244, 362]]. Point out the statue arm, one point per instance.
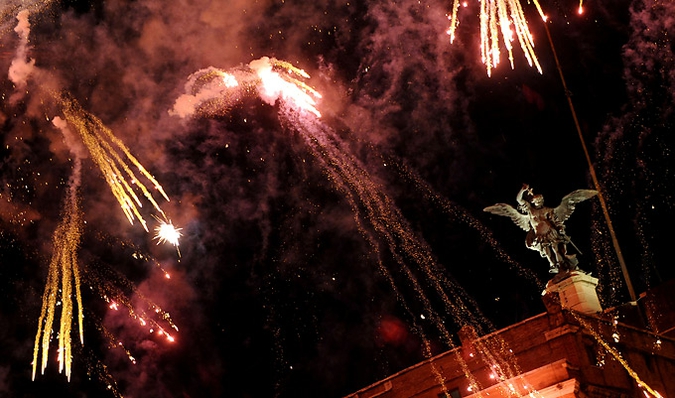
[[519, 197]]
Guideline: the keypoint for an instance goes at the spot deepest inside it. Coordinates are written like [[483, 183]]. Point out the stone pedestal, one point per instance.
[[576, 292]]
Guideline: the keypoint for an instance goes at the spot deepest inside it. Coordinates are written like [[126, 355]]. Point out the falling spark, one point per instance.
[[505, 17], [377, 217], [63, 281], [116, 298], [105, 149], [96, 369], [122, 296], [114, 343], [581, 7]]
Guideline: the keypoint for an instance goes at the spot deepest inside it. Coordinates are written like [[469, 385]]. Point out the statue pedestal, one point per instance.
[[576, 292]]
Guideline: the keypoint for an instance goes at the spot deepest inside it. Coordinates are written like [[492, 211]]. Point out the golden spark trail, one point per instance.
[[616, 355], [374, 209], [63, 275], [505, 17], [104, 149]]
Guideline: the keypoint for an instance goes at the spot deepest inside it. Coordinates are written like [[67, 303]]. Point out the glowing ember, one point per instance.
[[118, 299]]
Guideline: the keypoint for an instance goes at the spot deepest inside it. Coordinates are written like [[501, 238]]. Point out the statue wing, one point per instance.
[[566, 207], [503, 209]]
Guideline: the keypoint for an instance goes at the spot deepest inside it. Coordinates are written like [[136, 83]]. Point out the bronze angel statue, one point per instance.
[[544, 225]]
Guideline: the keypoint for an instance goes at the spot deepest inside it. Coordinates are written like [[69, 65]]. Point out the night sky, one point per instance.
[[285, 284]]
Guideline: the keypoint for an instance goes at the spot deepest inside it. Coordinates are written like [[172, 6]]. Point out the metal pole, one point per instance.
[[594, 177]]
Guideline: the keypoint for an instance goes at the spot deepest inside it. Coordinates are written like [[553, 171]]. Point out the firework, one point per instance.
[[63, 278], [114, 160], [505, 18], [166, 232], [212, 92], [285, 85]]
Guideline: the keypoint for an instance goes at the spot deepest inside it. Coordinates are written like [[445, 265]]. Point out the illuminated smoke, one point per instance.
[[108, 152], [21, 67], [130, 313]]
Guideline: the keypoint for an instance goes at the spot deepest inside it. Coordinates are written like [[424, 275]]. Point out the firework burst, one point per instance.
[[503, 18], [166, 232], [213, 92]]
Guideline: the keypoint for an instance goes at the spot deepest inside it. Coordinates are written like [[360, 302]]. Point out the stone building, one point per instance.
[[574, 349]]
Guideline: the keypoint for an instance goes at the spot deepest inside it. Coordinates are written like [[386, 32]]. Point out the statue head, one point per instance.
[[537, 201]]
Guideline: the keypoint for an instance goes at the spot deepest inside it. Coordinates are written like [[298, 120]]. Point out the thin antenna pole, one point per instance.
[[594, 177]]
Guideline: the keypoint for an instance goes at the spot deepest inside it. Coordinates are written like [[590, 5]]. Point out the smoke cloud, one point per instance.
[[21, 67]]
